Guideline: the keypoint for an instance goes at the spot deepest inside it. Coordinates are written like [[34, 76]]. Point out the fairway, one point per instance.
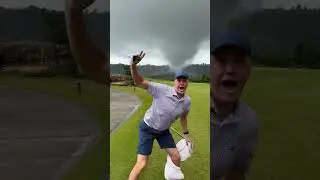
[[124, 141], [286, 102]]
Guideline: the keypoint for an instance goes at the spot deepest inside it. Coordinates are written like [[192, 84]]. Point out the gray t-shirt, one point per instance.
[[166, 106], [233, 140]]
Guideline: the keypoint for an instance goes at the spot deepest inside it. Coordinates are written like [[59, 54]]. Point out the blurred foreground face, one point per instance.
[[230, 69], [181, 85]]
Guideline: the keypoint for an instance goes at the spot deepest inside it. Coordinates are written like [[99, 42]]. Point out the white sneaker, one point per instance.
[[171, 171]]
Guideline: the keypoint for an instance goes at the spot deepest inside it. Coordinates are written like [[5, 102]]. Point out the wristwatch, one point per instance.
[[187, 132]]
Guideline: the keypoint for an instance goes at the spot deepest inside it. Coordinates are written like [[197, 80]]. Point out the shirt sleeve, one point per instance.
[[246, 153], [156, 89], [188, 105]]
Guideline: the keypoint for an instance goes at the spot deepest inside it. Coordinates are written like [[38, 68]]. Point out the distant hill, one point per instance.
[[195, 71], [32, 24]]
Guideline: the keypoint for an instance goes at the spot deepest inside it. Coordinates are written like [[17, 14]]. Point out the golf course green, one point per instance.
[[285, 100]]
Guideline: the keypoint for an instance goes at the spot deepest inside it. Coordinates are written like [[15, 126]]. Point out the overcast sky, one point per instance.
[[170, 32]]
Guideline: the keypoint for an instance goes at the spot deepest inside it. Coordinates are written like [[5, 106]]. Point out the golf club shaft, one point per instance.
[[176, 132], [182, 137]]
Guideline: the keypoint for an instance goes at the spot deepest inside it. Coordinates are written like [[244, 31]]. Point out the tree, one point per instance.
[[127, 70], [56, 26], [204, 78]]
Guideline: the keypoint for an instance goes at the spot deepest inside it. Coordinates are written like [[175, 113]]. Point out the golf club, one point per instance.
[[174, 130], [192, 145]]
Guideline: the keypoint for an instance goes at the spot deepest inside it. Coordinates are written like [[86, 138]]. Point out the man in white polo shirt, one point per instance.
[[234, 125], [169, 103]]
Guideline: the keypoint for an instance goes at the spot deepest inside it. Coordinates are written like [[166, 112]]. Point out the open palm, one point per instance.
[[137, 58]]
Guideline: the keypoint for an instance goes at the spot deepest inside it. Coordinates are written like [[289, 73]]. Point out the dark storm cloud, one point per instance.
[[177, 28], [224, 11], [99, 5]]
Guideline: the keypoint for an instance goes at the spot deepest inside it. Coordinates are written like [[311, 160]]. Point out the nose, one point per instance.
[[230, 68]]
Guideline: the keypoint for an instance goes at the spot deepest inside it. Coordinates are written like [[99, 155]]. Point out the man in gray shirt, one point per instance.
[[169, 103], [234, 125]]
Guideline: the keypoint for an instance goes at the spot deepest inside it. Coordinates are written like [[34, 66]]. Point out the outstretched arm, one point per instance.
[[93, 62], [138, 79], [155, 89]]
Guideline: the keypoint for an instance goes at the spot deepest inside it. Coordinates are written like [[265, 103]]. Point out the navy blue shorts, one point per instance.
[[147, 136]]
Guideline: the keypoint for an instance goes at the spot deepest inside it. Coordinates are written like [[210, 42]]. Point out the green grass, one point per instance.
[[124, 140], [286, 102], [95, 98]]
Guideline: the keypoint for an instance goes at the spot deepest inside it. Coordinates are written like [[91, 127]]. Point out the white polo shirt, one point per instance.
[[166, 106], [233, 140]]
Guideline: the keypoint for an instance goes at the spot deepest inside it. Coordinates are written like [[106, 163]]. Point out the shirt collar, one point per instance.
[[175, 94], [231, 118]]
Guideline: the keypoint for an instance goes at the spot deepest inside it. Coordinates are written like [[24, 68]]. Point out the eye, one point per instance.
[[240, 61]]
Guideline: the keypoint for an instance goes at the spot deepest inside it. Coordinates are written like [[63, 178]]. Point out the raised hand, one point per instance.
[[137, 58], [93, 62]]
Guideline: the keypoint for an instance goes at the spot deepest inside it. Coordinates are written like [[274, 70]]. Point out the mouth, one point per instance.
[[181, 88], [229, 85]]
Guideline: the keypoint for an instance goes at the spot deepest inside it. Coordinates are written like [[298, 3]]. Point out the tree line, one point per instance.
[[197, 72], [280, 37], [283, 37]]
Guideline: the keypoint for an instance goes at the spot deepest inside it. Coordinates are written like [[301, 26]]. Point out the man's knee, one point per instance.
[[175, 156], [141, 163]]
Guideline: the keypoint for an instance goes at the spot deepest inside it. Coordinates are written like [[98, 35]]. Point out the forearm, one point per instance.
[[92, 60], [184, 124], [135, 75]]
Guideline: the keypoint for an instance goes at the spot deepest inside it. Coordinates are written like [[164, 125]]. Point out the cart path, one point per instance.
[[122, 106], [41, 135]]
